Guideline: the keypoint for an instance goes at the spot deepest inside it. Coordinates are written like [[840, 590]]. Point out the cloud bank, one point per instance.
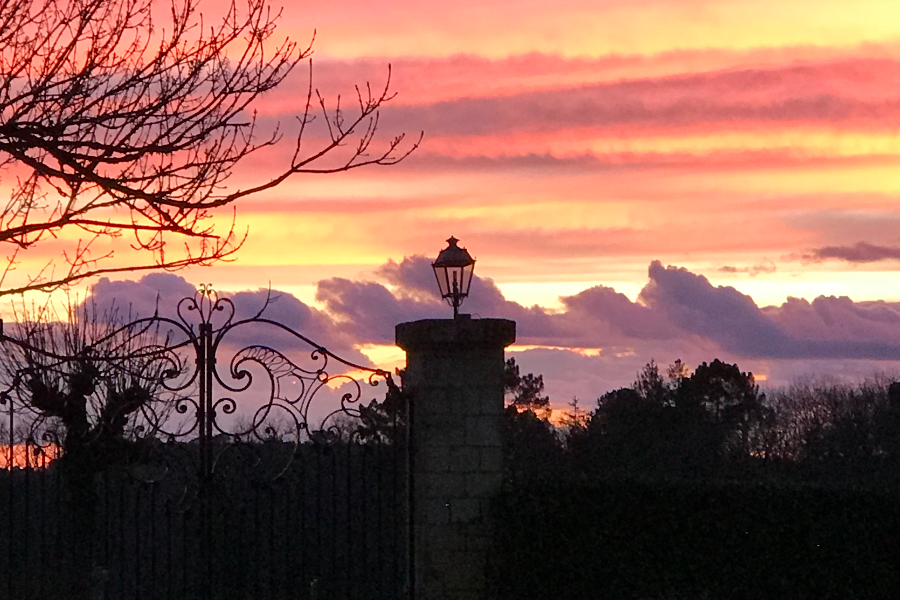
[[596, 341]]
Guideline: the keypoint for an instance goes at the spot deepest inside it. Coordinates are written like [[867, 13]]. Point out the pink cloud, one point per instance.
[[691, 102], [164, 293], [675, 305], [533, 93], [679, 315], [425, 80], [830, 327]]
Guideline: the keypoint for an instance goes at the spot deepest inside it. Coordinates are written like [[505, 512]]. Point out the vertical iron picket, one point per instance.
[[329, 523], [10, 472]]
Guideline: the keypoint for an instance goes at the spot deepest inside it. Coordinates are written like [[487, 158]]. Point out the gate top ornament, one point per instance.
[[174, 363]]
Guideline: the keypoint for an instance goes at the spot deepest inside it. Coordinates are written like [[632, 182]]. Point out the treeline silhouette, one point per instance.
[[712, 423], [698, 485]]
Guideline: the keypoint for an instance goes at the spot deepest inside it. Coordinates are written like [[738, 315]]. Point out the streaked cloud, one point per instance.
[[860, 252], [753, 270]]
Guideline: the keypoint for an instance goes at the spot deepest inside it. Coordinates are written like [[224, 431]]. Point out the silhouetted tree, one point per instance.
[[856, 432], [627, 433], [678, 424], [129, 117], [87, 384], [524, 391], [888, 427], [575, 419], [652, 387], [532, 446], [632, 430], [721, 411], [384, 421], [85, 377]]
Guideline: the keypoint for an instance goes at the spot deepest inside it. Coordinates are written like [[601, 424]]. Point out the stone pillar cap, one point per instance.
[[462, 332]]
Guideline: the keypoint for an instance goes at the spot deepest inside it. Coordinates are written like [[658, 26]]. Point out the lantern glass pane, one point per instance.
[[466, 278], [443, 280]]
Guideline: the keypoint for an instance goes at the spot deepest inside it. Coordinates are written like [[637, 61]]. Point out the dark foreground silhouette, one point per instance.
[[698, 486]]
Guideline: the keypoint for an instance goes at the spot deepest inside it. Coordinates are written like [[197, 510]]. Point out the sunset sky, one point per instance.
[[638, 179]]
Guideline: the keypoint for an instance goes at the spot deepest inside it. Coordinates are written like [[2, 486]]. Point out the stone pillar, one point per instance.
[[454, 374]]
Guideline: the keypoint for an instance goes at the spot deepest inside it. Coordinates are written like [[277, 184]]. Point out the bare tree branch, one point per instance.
[[114, 121]]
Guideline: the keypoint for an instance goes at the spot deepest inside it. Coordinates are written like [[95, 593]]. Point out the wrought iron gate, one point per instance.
[[138, 465]]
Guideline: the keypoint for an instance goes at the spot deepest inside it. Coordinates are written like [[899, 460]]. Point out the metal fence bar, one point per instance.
[[326, 525], [342, 535], [10, 566]]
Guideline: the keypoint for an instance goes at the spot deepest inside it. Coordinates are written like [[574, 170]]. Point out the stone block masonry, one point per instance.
[[455, 376]]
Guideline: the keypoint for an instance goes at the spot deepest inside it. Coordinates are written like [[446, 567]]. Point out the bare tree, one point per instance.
[[87, 388], [86, 380], [117, 120]]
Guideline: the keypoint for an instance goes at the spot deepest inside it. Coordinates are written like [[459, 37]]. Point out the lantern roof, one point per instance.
[[453, 256]]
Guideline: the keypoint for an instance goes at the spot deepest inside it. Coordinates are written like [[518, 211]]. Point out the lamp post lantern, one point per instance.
[[453, 269]]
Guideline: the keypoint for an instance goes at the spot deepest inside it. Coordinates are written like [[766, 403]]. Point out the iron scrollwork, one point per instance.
[[261, 393]]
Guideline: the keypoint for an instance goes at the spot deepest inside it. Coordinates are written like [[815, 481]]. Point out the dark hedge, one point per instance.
[[627, 539]]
